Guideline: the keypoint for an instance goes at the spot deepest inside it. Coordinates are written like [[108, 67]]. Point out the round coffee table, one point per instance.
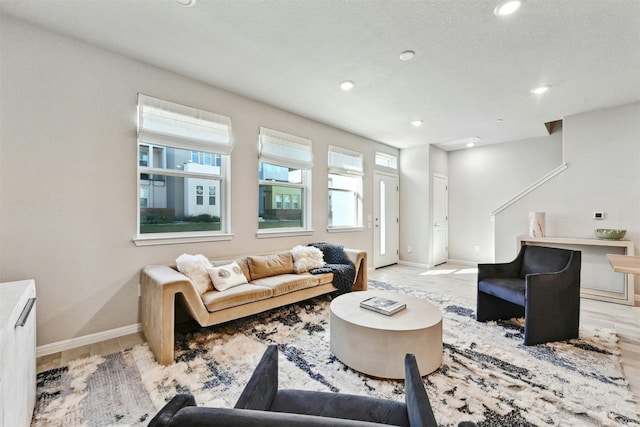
[[376, 344]]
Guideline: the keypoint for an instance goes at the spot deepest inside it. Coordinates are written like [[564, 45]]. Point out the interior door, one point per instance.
[[386, 221], [440, 203]]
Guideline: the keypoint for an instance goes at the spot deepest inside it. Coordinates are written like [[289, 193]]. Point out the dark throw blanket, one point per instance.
[[338, 263]]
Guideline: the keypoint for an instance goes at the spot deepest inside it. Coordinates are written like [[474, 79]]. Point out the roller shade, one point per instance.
[[283, 149], [166, 123], [343, 161]]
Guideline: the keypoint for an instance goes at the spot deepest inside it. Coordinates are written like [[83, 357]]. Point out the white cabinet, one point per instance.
[[17, 353]]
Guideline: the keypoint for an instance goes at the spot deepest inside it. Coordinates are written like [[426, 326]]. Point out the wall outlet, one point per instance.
[[598, 215], [477, 248], [408, 249]]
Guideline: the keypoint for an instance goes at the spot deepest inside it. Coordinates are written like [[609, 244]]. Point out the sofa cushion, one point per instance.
[[285, 283], [242, 262], [238, 295], [226, 276], [511, 290], [270, 265]]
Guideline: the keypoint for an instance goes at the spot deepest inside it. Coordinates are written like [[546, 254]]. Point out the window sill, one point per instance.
[[343, 229], [267, 234], [173, 240]]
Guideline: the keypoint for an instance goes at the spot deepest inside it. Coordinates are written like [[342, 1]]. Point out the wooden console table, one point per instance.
[[626, 246], [625, 263]]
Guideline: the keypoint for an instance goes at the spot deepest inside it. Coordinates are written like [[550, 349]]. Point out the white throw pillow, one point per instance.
[[226, 276], [306, 257], [195, 268]]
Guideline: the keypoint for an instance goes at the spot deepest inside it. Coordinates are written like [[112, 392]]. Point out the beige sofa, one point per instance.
[[272, 283]]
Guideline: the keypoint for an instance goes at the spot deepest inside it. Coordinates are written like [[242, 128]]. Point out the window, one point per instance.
[[199, 195], [182, 151], [345, 189], [212, 196], [386, 160], [284, 171]]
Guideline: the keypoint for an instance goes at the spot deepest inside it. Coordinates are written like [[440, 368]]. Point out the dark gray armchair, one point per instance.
[[542, 284], [262, 404]]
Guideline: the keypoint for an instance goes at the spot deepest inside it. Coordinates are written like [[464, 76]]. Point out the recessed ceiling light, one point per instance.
[[499, 120], [507, 7], [470, 144], [417, 123], [347, 85], [540, 90], [185, 3], [407, 55]]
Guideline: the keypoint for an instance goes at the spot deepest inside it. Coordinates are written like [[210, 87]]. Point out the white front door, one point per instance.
[[386, 222], [440, 219]]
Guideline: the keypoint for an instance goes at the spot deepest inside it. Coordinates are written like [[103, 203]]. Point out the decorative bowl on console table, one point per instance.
[[610, 233]]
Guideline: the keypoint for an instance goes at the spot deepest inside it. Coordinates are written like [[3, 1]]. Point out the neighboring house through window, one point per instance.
[[182, 152], [345, 189], [284, 171]]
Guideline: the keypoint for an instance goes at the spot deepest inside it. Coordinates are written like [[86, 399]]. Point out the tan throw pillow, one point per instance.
[[226, 276], [306, 257], [270, 265]]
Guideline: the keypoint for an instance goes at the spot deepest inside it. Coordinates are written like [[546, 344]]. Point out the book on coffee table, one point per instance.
[[383, 305]]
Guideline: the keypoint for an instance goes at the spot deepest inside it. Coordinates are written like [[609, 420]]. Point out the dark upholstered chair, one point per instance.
[[262, 404], [542, 284]]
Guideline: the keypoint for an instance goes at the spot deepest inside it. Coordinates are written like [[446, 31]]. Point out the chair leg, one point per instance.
[[494, 308]]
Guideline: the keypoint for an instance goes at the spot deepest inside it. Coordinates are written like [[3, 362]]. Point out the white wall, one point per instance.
[[415, 202], [602, 149], [68, 195], [481, 179]]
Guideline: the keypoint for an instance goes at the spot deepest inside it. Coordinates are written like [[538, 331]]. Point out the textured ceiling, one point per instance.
[[470, 68]]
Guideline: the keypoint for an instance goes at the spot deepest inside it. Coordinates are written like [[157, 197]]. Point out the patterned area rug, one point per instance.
[[487, 375]]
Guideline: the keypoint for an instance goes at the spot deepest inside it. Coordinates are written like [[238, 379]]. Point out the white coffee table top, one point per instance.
[[376, 344], [419, 313]]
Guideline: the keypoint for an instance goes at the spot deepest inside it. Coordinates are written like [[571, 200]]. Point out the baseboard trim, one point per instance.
[[415, 264], [463, 262], [55, 347]]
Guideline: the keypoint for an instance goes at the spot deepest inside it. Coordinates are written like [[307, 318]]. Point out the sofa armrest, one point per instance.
[[159, 286], [263, 384], [359, 260], [179, 401]]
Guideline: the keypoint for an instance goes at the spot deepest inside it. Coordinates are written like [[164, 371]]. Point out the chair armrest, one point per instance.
[[263, 384], [207, 417], [555, 283], [163, 418], [418, 407]]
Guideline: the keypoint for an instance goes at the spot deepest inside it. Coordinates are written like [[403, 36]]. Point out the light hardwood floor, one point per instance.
[[454, 279]]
